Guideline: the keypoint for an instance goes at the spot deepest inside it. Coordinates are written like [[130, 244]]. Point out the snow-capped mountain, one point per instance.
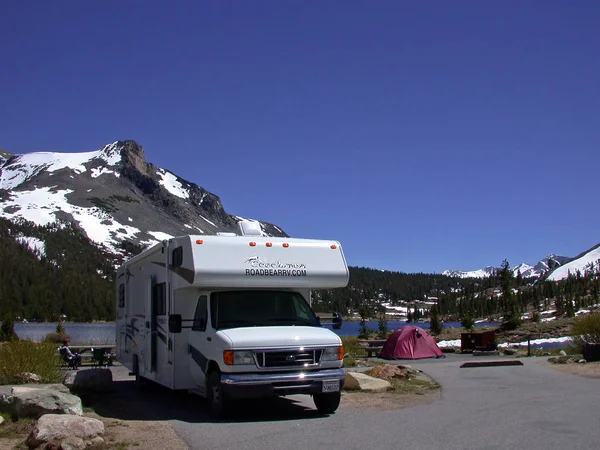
[[588, 260], [113, 194], [480, 273], [543, 266]]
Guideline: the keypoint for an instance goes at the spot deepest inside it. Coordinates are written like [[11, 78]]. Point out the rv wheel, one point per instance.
[[217, 400], [327, 403]]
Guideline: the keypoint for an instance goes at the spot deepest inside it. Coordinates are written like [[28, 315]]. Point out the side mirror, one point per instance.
[[175, 323]]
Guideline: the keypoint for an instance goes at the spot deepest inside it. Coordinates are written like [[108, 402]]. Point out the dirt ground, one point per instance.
[[126, 434], [588, 370], [132, 420]]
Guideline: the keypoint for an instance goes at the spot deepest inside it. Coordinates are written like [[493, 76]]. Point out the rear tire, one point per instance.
[[327, 403], [217, 399]]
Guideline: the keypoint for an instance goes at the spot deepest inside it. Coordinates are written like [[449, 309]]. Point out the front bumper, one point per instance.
[[255, 385]]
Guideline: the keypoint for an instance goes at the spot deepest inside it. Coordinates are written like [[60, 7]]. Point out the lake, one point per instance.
[[104, 333]]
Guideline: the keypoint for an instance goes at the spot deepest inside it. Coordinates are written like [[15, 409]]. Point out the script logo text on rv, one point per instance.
[[261, 267]]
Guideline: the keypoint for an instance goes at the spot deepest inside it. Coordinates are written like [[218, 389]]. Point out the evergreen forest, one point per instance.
[[74, 279]]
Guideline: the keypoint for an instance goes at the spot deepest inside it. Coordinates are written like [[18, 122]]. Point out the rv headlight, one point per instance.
[[231, 357], [333, 354]]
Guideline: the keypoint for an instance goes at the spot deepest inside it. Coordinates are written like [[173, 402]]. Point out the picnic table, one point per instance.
[[371, 346]]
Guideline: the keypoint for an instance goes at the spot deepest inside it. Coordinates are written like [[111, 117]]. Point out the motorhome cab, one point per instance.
[[229, 317]]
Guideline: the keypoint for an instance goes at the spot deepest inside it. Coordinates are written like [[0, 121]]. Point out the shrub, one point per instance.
[[350, 344], [586, 330], [467, 322], [383, 327], [435, 323], [56, 338], [23, 356]]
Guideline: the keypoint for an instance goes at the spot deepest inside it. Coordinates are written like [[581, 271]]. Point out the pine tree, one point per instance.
[[511, 318], [435, 323]]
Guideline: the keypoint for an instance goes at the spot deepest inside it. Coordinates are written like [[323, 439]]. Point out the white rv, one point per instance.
[[229, 317]]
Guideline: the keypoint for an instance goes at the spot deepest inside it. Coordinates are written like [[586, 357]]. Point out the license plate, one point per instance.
[[331, 385]]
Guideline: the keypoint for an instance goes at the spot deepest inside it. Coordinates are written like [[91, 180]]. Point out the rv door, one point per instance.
[[150, 326], [200, 341]]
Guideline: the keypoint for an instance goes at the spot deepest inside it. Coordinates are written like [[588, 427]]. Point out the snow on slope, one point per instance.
[[170, 183], [481, 273], [41, 205], [34, 244], [44, 204], [23, 167], [580, 264]]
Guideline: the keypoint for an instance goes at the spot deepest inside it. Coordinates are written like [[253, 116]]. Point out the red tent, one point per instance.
[[410, 342]]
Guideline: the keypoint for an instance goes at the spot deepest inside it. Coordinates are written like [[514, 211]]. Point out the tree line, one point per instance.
[[75, 278]]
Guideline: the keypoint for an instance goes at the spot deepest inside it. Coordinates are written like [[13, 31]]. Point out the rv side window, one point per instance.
[[177, 257], [121, 295], [201, 315], [159, 298]]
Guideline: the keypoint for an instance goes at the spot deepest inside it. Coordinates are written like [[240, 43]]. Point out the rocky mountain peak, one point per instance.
[[132, 153]]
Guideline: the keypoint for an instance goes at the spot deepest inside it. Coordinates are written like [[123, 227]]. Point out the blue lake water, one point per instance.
[[104, 333], [80, 333]]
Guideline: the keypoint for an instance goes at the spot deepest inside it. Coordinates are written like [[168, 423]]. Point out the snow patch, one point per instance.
[[159, 235], [170, 183], [97, 171], [202, 217], [34, 244]]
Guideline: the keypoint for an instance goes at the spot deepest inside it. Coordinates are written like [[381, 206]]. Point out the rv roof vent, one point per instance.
[[223, 233], [250, 228]]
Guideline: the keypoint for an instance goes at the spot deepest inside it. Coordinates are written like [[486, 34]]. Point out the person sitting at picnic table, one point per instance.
[[73, 358]]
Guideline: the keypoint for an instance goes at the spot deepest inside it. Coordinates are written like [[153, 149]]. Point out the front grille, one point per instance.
[[289, 358]]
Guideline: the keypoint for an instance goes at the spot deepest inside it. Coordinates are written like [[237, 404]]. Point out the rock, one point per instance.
[[6, 403], [582, 361], [562, 353], [69, 430], [90, 380], [98, 440], [73, 443], [509, 351], [28, 377], [37, 402], [364, 382], [388, 371], [56, 387]]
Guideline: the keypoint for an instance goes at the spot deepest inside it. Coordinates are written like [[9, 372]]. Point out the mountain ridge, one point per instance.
[[113, 194]]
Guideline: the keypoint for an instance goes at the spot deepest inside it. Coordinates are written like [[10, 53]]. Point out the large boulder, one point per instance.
[[89, 381], [389, 371], [71, 431], [37, 402], [364, 382]]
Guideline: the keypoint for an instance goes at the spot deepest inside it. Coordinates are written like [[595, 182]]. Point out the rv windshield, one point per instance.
[[232, 309]]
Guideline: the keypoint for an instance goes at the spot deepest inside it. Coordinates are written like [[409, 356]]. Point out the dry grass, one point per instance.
[[40, 358]]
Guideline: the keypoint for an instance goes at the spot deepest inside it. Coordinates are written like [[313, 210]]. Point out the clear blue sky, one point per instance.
[[423, 135]]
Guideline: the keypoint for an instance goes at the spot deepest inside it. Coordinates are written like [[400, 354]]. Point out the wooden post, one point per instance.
[[528, 345]]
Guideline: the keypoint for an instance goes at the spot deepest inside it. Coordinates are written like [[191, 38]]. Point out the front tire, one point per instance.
[[217, 400], [327, 403]]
